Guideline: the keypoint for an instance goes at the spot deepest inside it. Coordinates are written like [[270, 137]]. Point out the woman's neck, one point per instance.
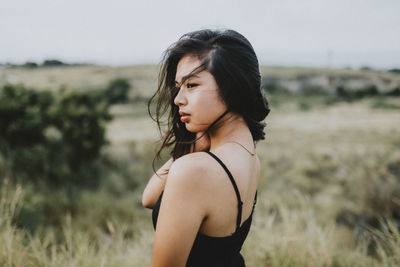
[[231, 127]]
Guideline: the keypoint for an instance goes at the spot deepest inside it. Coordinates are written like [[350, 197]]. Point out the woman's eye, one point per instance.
[[190, 85]]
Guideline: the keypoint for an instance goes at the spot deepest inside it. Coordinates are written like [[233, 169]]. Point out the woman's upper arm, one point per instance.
[[181, 213]]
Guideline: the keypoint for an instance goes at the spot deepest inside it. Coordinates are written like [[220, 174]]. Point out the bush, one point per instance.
[[80, 118], [24, 115], [311, 90], [394, 92], [117, 91], [397, 71], [350, 95], [49, 139], [30, 65], [53, 63]]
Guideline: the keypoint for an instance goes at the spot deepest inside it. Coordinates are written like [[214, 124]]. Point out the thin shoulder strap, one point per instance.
[[254, 203], [240, 203]]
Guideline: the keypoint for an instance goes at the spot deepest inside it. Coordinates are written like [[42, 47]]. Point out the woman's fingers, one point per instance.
[[201, 144]]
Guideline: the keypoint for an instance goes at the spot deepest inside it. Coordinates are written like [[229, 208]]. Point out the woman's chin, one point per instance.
[[192, 129]]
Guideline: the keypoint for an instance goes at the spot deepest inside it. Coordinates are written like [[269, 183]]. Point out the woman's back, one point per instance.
[[222, 199], [223, 232]]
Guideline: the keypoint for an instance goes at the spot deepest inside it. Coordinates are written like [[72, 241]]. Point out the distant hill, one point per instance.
[[330, 80], [144, 78]]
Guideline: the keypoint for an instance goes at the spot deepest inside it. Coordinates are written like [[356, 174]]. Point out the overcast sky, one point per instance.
[[334, 33]]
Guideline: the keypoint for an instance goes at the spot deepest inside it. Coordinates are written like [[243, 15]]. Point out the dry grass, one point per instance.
[[317, 165]]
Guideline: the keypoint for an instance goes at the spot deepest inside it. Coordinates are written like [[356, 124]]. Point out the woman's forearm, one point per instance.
[[155, 185]]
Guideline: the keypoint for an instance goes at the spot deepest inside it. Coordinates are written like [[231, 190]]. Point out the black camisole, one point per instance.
[[217, 251]]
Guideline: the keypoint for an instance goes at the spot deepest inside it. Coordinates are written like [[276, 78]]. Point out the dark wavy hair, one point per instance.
[[231, 59]]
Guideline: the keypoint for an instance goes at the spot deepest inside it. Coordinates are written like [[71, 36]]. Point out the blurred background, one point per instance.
[[77, 142]]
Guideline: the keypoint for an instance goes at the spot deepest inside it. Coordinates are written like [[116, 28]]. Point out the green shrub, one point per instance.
[[394, 92], [53, 63], [30, 65], [117, 91], [56, 140], [23, 115], [311, 90], [80, 118]]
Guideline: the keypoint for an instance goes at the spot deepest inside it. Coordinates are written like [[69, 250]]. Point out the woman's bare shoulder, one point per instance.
[[192, 166]]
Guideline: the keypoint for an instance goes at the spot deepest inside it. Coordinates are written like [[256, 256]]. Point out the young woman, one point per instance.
[[203, 197]]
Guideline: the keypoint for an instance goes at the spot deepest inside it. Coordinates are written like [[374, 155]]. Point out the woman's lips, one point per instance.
[[185, 118]]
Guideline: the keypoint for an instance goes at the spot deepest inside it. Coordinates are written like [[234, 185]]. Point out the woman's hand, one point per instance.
[[156, 184], [202, 144]]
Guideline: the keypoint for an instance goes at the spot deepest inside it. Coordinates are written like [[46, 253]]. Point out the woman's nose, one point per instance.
[[180, 98]]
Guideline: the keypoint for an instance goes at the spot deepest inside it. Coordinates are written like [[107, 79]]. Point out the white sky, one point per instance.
[[335, 33]]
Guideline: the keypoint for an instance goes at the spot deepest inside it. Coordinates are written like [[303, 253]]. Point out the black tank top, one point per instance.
[[217, 251]]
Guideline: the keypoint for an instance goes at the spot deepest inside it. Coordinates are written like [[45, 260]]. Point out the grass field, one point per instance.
[[327, 171]]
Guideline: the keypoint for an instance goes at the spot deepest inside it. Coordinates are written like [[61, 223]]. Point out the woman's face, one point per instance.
[[198, 96]]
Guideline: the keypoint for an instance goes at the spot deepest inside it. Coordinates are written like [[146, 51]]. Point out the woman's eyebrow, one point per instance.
[[190, 75]]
